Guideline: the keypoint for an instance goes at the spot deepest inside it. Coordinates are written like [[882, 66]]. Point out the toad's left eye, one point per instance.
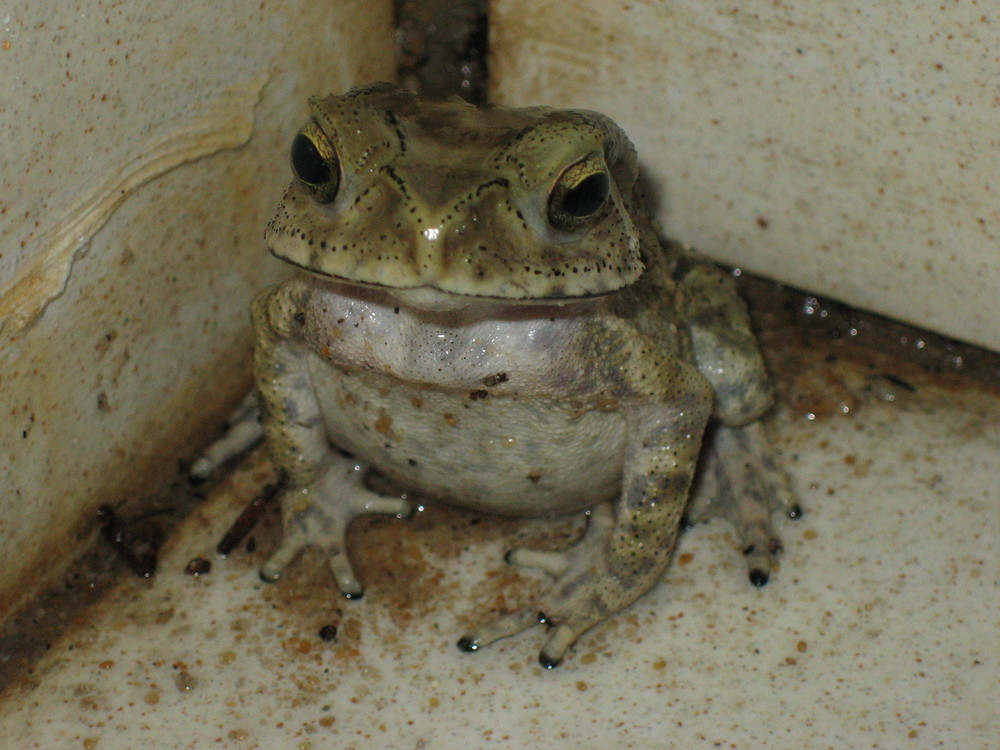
[[579, 193], [315, 163]]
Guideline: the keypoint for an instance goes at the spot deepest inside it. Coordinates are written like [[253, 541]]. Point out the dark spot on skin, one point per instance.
[[749, 550], [300, 318], [491, 380], [895, 380], [759, 577], [411, 461], [776, 547]]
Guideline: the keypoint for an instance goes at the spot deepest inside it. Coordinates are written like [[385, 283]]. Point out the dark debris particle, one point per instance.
[[138, 548], [246, 520], [198, 566], [328, 633], [759, 577]]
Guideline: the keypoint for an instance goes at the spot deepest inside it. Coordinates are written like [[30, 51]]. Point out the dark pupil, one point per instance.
[[307, 162], [587, 196]]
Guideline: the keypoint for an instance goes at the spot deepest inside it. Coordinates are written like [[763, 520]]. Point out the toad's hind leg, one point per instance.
[[740, 481], [629, 540]]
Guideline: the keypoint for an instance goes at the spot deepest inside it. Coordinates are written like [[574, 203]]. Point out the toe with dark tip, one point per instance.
[[468, 644], [549, 662]]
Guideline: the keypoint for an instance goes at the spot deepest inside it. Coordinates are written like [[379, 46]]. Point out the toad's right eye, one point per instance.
[[315, 164]]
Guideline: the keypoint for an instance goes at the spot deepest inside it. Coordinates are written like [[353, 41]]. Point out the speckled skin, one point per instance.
[[486, 316]]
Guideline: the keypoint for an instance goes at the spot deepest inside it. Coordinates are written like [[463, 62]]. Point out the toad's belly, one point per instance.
[[501, 454]]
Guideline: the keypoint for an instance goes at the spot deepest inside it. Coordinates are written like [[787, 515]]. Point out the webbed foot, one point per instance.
[[319, 514], [741, 482], [584, 593]]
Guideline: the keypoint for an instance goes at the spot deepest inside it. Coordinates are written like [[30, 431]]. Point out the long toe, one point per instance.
[[502, 627], [558, 643], [553, 563], [275, 565], [343, 573]]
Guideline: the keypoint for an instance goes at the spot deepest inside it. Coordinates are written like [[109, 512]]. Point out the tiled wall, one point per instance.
[[144, 144], [848, 148]]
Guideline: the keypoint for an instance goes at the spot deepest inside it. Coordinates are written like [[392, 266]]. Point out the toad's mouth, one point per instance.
[[433, 298]]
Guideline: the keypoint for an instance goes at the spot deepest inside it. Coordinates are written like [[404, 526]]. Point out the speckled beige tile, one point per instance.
[[846, 148], [879, 630]]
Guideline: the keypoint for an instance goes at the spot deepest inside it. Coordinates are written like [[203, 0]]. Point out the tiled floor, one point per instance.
[[881, 630]]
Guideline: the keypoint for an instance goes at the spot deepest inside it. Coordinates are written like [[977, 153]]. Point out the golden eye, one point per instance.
[[315, 163], [579, 193]]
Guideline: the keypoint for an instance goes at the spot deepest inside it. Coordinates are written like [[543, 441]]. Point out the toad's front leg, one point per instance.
[[628, 542], [323, 489]]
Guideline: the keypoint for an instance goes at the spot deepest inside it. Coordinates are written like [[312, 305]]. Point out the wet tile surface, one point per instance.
[[879, 630]]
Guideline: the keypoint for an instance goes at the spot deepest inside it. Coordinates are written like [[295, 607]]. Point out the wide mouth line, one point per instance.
[[561, 300]]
